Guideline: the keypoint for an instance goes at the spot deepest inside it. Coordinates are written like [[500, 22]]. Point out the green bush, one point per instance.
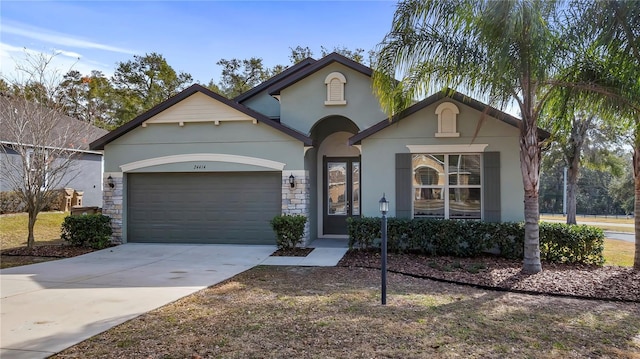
[[92, 230], [289, 230], [559, 243], [10, 202], [564, 243]]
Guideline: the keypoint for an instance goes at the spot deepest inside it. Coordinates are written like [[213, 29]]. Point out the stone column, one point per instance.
[[296, 200], [112, 203]]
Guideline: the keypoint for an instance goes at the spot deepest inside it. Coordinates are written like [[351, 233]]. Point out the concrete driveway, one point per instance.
[[50, 306]]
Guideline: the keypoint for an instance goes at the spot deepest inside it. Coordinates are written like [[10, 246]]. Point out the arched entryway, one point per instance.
[[338, 175]]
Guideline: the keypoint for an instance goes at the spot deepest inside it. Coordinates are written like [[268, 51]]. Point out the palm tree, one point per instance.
[[500, 51], [614, 28]]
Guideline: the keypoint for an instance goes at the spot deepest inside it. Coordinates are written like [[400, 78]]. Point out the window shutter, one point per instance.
[[491, 187], [336, 90], [404, 195]]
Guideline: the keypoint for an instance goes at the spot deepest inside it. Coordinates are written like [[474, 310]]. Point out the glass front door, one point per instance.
[[341, 193]]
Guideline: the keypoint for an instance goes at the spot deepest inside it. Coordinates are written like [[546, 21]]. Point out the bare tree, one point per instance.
[[38, 145]]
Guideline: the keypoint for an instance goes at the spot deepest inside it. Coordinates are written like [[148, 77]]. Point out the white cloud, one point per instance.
[[60, 39], [62, 61]]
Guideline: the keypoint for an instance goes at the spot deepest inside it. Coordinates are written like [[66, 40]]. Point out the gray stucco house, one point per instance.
[[85, 175], [313, 140]]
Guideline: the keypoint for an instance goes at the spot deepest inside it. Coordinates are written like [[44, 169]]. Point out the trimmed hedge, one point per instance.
[[559, 242], [289, 230], [90, 230]]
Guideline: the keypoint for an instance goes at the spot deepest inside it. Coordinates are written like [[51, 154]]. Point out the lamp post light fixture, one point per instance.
[[384, 208], [110, 182], [292, 181]]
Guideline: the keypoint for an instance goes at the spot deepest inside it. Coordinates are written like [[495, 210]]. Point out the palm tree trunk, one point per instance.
[[31, 225], [530, 167], [636, 176]]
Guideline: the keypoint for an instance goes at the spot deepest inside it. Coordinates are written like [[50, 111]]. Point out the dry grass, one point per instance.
[[13, 229], [618, 253], [288, 312]]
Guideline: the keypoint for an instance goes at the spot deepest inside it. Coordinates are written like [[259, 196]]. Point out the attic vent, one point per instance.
[[335, 89], [447, 120]]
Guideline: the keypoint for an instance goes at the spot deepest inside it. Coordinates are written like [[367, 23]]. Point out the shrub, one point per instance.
[[10, 202], [289, 230], [558, 242], [92, 230], [564, 243]]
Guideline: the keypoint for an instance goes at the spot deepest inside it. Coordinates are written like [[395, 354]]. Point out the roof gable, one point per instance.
[[446, 93], [334, 57], [274, 79], [193, 89]]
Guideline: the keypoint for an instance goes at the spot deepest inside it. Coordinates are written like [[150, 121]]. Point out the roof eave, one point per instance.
[[475, 104], [100, 143]]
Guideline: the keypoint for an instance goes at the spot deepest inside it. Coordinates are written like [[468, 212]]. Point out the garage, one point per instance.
[[221, 207]]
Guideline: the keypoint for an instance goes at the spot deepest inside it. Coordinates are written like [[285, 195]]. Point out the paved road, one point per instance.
[[628, 237]]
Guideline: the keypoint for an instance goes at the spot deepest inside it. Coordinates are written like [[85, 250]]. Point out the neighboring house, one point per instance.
[[86, 173], [200, 168]]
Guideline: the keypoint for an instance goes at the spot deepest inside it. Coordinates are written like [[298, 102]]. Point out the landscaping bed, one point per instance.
[[580, 281]]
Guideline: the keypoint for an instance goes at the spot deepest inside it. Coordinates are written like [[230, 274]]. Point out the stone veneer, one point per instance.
[[112, 205], [296, 201]]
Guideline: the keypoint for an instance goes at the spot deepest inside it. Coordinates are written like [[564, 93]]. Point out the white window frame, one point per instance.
[[335, 76], [443, 122], [445, 187]]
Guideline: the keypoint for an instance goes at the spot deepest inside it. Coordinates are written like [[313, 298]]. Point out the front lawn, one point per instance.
[[13, 229], [296, 312]]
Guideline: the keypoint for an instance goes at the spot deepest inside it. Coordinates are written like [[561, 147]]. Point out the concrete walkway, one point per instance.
[[50, 306]]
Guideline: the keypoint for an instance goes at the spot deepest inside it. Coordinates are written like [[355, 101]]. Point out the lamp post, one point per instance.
[[384, 208]]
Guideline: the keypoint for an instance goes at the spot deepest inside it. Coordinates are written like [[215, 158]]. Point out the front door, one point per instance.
[[341, 193]]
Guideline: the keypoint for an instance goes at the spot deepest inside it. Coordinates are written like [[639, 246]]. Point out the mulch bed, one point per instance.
[[489, 272], [55, 251], [294, 252]]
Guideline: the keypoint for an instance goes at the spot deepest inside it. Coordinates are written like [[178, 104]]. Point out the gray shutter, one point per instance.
[[404, 185], [491, 187]]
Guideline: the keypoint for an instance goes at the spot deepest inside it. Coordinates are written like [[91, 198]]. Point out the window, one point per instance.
[[335, 89], [447, 186], [447, 120], [36, 162]]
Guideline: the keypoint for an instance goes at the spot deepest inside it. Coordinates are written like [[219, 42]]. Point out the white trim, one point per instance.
[[476, 147], [113, 174], [335, 75], [51, 147], [205, 157], [447, 105], [453, 108]]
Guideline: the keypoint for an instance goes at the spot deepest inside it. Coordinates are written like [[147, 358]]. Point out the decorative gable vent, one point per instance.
[[335, 89], [447, 117]]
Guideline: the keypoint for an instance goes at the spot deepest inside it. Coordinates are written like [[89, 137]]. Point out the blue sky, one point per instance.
[[191, 35]]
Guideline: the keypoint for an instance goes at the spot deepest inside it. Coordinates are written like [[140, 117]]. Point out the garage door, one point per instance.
[[203, 207]]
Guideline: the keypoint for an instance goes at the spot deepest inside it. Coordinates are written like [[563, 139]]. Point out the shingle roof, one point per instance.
[[475, 104], [102, 141], [85, 132], [286, 73], [333, 57]]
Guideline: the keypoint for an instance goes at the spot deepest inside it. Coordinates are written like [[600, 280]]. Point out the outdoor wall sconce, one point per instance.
[[292, 181], [110, 181]]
